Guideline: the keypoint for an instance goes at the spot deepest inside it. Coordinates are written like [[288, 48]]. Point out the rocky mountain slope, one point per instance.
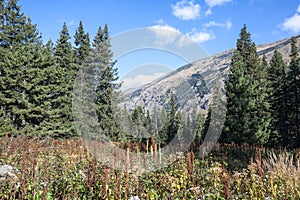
[[193, 84]]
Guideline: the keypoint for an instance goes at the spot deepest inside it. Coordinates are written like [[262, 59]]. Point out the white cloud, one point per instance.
[[196, 36], [164, 33], [140, 80], [292, 24], [186, 10], [226, 25], [201, 36], [208, 12], [213, 3]]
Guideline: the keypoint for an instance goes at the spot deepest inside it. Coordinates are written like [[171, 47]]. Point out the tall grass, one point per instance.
[[64, 169]]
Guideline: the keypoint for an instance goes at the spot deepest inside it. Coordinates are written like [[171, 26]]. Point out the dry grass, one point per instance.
[[64, 169]]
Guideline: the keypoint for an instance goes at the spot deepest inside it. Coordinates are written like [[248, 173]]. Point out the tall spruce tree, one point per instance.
[[173, 122], [82, 43], [293, 92], [22, 62], [64, 76], [247, 117], [12, 21], [106, 76], [277, 98], [236, 93], [161, 126], [47, 86]]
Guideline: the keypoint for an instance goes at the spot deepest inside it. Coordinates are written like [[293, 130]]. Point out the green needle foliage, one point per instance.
[[65, 74], [23, 63], [82, 43], [293, 92], [106, 86], [277, 97], [247, 118]]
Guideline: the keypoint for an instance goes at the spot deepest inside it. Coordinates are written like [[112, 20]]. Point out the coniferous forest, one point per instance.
[[256, 157]]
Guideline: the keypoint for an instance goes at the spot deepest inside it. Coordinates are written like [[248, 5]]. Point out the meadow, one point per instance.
[[64, 169]]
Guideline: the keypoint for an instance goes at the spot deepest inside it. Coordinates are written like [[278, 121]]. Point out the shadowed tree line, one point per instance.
[[37, 79]]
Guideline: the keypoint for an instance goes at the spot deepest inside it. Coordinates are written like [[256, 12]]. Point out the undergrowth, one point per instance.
[[64, 169]]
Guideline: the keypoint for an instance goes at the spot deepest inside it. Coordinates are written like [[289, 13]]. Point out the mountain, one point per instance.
[[193, 83]]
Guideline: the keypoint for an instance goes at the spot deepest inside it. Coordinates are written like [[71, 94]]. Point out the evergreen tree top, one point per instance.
[[78, 34], [105, 33], [81, 38], [98, 38], [82, 42], [247, 49], [63, 41], [294, 51], [244, 43], [64, 34], [15, 27]]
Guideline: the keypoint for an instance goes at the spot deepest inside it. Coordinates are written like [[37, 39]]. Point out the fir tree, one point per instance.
[[173, 122], [247, 117], [106, 76], [140, 123], [162, 125], [293, 92], [22, 64], [63, 80], [12, 22], [236, 97], [12, 26], [276, 97], [82, 42]]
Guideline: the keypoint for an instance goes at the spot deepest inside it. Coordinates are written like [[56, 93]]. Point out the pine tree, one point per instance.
[[162, 124], [236, 97], [214, 121], [12, 26], [173, 122], [196, 126], [157, 124], [106, 76], [247, 117], [12, 21], [276, 97], [82, 42], [64, 76], [45, 84], [139, 123], [293, 102], [22, 63]]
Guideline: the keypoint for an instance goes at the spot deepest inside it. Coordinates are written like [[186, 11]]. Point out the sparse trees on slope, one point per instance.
[[172, 122]]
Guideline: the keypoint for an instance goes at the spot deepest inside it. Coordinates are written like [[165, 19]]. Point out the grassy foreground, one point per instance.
[[63, 169]]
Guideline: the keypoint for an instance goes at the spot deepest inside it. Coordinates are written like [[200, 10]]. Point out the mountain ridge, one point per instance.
[[193, 83]]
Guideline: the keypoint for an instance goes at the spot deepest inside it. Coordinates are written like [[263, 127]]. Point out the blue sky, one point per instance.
[[213, 24]]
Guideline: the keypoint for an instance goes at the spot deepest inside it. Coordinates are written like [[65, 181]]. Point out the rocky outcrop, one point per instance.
[[10, 173]]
